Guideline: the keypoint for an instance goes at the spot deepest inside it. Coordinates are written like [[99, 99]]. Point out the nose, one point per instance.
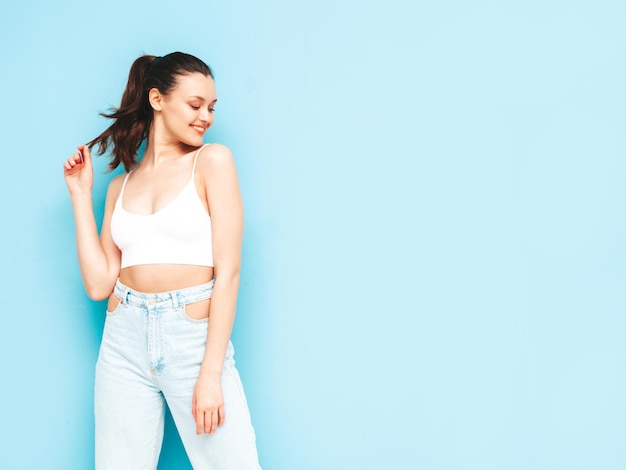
[[205, 116]]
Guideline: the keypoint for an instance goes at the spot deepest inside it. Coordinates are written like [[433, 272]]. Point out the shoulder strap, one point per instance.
[[124, 185], [195, 160]]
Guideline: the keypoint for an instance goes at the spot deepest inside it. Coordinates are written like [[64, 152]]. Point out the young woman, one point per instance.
[[168, 259]]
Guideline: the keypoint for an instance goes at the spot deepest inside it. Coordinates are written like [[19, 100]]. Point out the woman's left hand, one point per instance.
[[208, 405]]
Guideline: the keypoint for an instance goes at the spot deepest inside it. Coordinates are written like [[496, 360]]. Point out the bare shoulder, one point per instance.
[[215, 157], [115, 186]]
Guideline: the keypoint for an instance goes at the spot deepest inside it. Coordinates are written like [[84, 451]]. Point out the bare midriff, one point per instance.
[[153, 278]]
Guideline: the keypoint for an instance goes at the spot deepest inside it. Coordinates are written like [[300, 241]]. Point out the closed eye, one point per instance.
[[195, 108]]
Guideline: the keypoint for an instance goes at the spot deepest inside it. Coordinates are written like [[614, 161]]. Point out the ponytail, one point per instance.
[[132, 119]]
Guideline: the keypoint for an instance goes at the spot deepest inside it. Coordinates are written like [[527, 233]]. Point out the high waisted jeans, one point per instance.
[[151, 352]]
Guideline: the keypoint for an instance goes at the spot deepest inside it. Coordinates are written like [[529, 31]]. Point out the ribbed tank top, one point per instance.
[[178, 233]]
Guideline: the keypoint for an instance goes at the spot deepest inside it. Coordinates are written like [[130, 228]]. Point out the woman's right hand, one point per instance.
[[79, 174]]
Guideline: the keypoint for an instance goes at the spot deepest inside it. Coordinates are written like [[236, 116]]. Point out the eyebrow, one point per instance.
[[202, 99]]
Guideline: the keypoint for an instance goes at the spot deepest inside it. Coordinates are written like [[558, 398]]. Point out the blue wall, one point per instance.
[[435, 250]]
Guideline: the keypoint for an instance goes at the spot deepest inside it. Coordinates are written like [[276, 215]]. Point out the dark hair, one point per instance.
[[134, 116]]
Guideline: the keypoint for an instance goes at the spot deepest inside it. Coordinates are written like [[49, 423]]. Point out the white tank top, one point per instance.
[[179, 233]]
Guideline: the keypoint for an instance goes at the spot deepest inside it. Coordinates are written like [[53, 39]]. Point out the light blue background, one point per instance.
[[435, 249]]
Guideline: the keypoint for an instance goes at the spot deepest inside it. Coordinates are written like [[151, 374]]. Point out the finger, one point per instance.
[[71, 166], [199, 422], [213, 422], [207, 422], [222, 416], [75, 159], [193, 408], [86, 153], [70, 169]]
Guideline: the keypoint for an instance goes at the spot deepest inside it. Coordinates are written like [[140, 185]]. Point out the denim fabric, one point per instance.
[[150, 353]]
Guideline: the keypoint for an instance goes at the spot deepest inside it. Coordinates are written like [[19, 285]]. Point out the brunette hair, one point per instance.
[[134, 116]]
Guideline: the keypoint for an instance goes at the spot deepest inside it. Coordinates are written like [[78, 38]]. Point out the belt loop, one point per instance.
[[174, 296], [125, 292], [120, 291]]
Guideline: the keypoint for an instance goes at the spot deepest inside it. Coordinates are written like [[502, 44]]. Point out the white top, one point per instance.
[[179, 233]]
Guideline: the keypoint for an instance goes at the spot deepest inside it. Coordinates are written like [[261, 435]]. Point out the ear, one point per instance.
[[155, 98]]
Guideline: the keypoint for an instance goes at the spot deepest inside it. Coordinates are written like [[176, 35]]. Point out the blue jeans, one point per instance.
[[151, 353]]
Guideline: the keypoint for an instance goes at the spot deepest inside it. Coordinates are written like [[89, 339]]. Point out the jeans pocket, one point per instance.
[[113, 306], [182, 313]]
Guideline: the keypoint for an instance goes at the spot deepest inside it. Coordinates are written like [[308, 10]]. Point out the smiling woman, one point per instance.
[[168, 259]]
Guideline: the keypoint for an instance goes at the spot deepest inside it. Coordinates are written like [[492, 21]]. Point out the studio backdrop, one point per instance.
[[434, 258]]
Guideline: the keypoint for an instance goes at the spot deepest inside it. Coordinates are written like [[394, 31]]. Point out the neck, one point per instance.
[[159, 150]]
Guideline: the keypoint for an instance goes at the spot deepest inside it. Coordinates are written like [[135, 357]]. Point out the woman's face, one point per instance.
[[186, 112]]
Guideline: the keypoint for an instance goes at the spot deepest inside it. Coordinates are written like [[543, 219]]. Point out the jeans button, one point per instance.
[[151, 301]]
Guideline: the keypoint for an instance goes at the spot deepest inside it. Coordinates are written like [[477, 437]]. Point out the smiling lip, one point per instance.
[[199, 129]]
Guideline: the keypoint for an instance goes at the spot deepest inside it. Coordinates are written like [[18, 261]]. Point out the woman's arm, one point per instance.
[[217, 168], [98, 257]]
